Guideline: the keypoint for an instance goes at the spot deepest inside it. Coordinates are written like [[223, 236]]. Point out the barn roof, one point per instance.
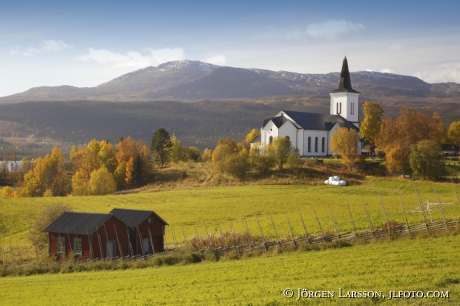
[[78, 223], [134, 218]]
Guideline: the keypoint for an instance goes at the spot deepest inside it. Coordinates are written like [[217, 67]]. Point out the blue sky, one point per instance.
[[86, 43]]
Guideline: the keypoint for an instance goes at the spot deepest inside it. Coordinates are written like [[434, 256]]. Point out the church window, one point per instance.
[[322, 144], [270, 140], [316, 144], [340, 108], [309, 144], [352, 109]]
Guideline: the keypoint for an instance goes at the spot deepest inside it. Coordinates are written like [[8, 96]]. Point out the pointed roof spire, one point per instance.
[[345, 81]]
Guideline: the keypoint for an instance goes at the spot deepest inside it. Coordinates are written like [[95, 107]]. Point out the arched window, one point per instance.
[[316, 144], [309, 144], [323, 140], [270, 140], [287, 137]]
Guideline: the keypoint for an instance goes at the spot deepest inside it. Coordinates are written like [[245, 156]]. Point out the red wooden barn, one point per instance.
[[121, 233], [147, 230]]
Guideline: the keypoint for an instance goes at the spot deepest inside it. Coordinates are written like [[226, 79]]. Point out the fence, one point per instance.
[[263, 232]]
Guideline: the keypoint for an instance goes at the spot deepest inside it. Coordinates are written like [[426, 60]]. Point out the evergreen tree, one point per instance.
[[161, 145]]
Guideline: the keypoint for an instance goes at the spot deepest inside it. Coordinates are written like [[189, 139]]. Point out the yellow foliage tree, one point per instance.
[[344, 143], [454, 132], [102, 182], [370, 126], [7, 192]]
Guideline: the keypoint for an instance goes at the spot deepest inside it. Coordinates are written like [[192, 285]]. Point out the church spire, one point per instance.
[[345, 81]]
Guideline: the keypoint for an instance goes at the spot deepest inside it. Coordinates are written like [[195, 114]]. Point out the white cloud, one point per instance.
[[54, 45], [386, 70], [220, 60], [46, 45], [332, 28], [133, 58], [447, 72]]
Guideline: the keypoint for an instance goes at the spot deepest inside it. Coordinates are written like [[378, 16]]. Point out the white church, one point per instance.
[[311, 133]]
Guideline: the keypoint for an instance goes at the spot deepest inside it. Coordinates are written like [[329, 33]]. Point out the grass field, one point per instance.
[[421, 264], [191, 209]]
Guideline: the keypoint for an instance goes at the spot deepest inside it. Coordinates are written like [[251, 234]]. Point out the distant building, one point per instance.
[[311, 133], [449, 149], [121, 233]]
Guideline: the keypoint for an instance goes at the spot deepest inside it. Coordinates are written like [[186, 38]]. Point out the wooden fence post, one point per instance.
[[292, 233], [276, 232], [404, 212], [262, 234], [335, 222], [440, 207], [304, 227], [455, 190], [422, 208], [236, 238], [319, 223], [386, 216], [352, 221]]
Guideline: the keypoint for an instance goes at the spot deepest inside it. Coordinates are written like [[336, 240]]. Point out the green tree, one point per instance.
[[425, 160], [344, 143], [161, 145], [177, 152], [224, 148], [37, 237], [370, 126], [280, 148]]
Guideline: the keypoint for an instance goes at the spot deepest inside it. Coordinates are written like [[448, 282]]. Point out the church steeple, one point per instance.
[[345, 80], [345, 100]]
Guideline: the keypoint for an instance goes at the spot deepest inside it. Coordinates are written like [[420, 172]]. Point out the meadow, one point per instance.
[[421, 264], [206, 211]]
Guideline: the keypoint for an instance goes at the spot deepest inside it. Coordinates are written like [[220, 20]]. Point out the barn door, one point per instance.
[[110, 251], [146, 245]]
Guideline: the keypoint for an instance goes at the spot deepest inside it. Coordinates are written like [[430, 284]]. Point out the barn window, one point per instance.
[[316, 144], [77, 246], [150, 220], [309, 144], [61, 245], [270, 140], [322, 144]]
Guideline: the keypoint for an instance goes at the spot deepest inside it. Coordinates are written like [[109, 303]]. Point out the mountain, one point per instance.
[[192, 81]]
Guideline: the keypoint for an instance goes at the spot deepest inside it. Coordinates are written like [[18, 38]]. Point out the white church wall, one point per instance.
[[300, 142], [269, 129], [345, 104], [313, 134], [288, 129]]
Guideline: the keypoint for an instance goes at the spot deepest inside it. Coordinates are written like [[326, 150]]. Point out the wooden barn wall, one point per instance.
[[112, 230]]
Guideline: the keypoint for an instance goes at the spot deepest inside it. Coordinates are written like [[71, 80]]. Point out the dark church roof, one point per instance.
[[78, 223], [313, 121], [345, 81], [134, 218]]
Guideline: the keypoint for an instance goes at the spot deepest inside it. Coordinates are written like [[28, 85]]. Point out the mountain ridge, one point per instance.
[[192, 81]]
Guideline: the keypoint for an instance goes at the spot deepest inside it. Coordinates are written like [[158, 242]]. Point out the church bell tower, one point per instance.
[[344, 100]]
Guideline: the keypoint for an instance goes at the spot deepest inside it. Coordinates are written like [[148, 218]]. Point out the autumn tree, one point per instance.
[[370, 126], [161, 145], [101, 182], [37, 236], [48, 173], [425, 160], [224, 148], [454, 132], [344, 143], [260, 159], [237, 165], [280, 148]]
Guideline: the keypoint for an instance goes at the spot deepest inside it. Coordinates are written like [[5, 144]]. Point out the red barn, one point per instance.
[[121, 233], [147, 230]]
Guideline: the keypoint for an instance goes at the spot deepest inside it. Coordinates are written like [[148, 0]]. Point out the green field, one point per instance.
[[190, 210], [422, 264]]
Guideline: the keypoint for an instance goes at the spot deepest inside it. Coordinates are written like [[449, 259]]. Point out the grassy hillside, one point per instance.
[[190, 209], [419, 264]]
